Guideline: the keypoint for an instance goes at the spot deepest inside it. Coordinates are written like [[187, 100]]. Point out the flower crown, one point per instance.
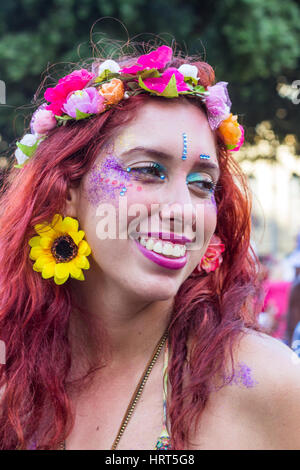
[[83, 94]]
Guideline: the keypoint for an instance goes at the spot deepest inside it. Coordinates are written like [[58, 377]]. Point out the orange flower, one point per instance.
[[230, 130], [113, 91]]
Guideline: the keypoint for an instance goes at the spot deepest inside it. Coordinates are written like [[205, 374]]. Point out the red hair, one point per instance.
[[210, 310]]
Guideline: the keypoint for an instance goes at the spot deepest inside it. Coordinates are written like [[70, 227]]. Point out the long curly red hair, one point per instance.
[[210, 310]]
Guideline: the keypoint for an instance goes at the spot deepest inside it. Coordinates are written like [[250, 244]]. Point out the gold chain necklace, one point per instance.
[[137, 393]]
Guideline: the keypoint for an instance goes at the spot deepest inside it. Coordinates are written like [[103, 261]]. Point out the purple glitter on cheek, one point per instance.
[[106, 180]]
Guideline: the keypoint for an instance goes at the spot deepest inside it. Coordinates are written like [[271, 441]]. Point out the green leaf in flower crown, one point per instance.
[[230, 147], [169, 92], [105, 76], [65, 117], [28, 150], [199, 89], [149, 73], [142, 85], [81, 115], [20, 166], [191, 80], [171, 89]]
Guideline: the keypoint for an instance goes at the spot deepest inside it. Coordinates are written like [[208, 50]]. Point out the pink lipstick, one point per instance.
[[161, 260]]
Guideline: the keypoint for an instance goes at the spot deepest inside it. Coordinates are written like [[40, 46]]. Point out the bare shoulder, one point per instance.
[[260, 407], [273, 364], [267, 388]]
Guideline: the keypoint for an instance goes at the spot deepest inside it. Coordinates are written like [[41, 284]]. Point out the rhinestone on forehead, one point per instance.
[[206, 157], [184, 152]]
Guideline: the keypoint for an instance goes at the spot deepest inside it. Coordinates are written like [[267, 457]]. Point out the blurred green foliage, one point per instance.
[[253, 45]]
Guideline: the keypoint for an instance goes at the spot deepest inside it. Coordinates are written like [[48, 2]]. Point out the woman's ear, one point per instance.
[[72, 201]]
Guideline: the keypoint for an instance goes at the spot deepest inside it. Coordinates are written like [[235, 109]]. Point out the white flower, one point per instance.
[[188, 70], [20, 156], [29, 140], [110, 65]]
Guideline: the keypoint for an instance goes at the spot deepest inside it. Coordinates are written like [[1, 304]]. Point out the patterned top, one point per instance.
[[163, 442]]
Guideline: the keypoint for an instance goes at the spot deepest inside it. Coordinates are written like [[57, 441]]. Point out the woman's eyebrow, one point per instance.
[[159, 154]]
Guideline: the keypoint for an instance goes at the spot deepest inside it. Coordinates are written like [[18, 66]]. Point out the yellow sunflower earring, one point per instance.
[[59, 250]]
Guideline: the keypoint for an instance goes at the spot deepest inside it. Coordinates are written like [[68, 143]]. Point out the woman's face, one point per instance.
[[140, 193]]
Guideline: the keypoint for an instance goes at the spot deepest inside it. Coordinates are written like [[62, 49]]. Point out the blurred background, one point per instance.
[[252, 45]]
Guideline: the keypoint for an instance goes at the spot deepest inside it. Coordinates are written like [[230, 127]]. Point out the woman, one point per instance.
[[127, 184]]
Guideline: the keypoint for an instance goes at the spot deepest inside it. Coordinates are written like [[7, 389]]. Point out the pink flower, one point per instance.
[[212, 257], [57, 96], [157, 59], [87, 101], [159, 84], [241, 141], [218, 104], [42, 120]]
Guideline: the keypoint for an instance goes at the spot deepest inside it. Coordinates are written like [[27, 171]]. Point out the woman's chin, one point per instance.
[[156, 290]]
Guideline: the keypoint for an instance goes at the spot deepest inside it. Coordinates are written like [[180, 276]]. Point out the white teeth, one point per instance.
[[165, 248], [157, 247], [177, 250], [150, 244]]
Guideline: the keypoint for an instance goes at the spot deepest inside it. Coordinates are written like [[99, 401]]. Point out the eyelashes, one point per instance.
[[152, 170], [155, 172], [208, 186], [201, 182]]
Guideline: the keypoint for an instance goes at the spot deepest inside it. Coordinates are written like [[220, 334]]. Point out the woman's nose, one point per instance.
[[180, 216]]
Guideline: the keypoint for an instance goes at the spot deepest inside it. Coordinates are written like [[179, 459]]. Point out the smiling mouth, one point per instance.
[[177, 260], [165, 248]]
